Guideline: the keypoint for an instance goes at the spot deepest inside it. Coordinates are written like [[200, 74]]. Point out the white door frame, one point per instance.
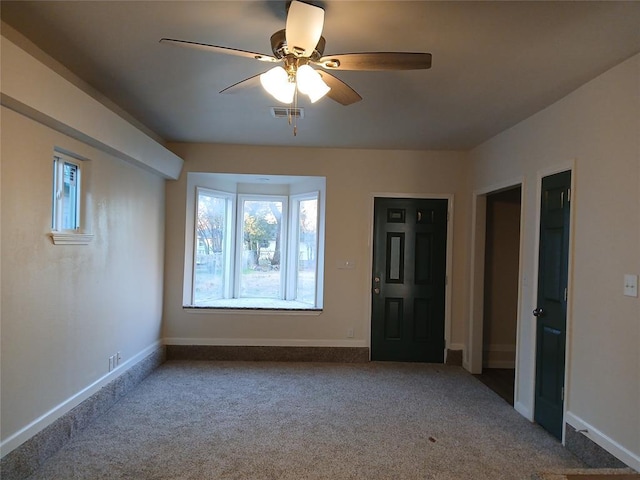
[[476, 302]]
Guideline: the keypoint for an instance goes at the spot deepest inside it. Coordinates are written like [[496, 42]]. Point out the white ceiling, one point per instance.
[[494, 64]]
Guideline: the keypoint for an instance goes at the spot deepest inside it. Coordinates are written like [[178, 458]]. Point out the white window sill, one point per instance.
[[71, 238], [255, 305]]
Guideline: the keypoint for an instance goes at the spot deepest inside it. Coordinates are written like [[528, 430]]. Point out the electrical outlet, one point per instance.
[[118, 358], [350, 333], [111, 363]]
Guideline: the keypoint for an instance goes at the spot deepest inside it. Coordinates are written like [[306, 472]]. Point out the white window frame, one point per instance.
[[59, 200], [294, 243], [78, 234]]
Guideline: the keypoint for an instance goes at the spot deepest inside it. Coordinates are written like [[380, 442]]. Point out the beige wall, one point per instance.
[[596, 129], [65, 309], [352, 177]]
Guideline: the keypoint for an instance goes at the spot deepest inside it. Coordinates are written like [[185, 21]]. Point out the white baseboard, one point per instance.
[[263, 342], [524, 411], [614, 448], [459, 346], [25, 433]]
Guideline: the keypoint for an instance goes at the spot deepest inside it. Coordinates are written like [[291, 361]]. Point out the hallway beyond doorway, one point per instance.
[[500, 380]]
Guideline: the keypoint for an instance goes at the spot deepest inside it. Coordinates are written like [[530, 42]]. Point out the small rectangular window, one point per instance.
[[66, 194], [67, 216]]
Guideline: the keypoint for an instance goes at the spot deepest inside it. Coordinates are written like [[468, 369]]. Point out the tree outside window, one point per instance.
[[262, 233]]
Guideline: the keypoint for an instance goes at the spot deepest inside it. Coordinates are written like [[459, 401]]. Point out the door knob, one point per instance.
[[538, 312]]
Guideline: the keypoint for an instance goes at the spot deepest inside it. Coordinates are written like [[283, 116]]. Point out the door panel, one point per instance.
[[424, 258], [551, 311], [393, 311], [422, 312], [552, 267], [408, 299], [395, 258]]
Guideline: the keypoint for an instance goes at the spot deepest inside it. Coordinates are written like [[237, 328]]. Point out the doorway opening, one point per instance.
[[500, 295]]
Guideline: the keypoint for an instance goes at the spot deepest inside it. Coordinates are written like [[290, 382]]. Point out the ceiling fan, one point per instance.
[[301, 45]]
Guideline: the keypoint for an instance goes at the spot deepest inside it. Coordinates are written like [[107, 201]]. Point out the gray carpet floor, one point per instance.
[[245, 420]]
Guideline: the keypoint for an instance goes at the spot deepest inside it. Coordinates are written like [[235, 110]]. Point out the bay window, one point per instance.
[[255, 242]]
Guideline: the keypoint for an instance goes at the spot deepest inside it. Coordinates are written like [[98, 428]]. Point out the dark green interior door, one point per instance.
[[551, 310], [408, 282]]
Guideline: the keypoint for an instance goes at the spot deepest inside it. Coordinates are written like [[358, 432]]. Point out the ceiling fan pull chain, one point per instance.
[[294, 109]]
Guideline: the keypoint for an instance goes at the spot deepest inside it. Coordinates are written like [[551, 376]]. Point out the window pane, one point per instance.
[[260, 272], [69, 196], [210, 257], [307, 251]]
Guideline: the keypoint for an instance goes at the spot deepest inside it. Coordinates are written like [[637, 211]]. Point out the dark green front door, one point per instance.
[[408, 280], [551, 310]]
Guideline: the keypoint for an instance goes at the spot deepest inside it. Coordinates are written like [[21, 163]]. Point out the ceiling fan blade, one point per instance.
[[340, 91], [243, 85], [376, 61], [303, 28], [217, 49]]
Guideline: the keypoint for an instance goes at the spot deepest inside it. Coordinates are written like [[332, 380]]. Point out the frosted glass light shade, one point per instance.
[[303, 28], [310, 83], [276, 82]]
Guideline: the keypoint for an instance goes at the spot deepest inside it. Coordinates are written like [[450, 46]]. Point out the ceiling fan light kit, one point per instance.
[[282, 85], [301, 45], [303, 28], [310, 83], [276, 83]]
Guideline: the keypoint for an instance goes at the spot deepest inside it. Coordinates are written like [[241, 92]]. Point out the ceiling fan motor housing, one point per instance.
[[281, 50]]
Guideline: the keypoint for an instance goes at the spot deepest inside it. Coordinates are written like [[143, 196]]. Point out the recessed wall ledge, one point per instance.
[[69, 110]]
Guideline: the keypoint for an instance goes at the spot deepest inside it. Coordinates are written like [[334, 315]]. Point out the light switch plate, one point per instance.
[[631, 285]]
